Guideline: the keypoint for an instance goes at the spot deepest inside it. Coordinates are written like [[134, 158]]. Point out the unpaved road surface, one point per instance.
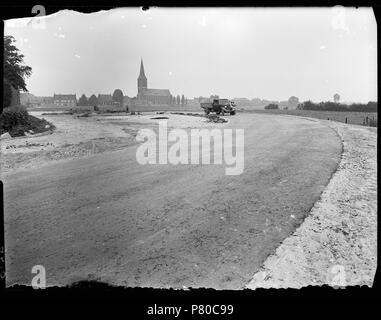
[[337, 242], [105, 217], [73, 137], [76, 137]]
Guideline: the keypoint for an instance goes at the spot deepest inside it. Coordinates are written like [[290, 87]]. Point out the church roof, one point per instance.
[[157, 92], [141, 74]]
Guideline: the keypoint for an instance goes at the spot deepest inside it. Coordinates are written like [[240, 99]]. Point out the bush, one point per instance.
[[13, 116], [272, 106], [16, 121]]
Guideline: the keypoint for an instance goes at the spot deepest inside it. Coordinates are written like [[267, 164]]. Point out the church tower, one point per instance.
[[142, 80]]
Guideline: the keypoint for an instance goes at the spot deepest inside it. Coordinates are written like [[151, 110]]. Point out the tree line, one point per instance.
[[371, 106], [176, 100], [334, 105]]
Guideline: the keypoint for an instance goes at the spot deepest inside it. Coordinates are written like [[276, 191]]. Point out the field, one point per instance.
[[352, 117]]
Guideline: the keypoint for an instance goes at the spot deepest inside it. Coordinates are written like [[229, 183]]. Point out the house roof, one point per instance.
[[157, 92], [103, 98], [65, 97]]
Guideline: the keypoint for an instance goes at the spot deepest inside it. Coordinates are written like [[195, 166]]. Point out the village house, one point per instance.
[[65, 100], [104, 99], [46, 101]]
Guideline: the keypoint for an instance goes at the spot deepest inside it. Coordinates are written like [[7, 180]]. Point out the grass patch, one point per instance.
[[16, 121]]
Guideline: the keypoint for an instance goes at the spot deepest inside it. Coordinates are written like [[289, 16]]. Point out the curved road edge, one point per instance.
[[337, 243]]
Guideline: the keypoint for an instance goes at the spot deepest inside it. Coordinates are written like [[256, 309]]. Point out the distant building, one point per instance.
[[284, 104], [47, 101], [105, 99], [28, 99], [151, 96], [202, 99], [242, 102], [128, 100], [65, 100], [257, 102]]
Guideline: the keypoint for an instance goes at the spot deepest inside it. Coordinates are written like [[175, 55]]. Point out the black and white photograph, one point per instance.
[[226, 148]]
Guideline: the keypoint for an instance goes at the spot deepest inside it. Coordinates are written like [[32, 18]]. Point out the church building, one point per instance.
[[151, 96]]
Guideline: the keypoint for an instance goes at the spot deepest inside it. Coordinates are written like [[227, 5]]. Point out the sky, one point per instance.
[[270, 53]]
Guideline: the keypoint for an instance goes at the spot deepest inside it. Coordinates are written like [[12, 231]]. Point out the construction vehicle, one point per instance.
[[219, 106]]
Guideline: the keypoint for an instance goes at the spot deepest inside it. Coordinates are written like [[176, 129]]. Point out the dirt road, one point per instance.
[[337, 243], [107, 218]]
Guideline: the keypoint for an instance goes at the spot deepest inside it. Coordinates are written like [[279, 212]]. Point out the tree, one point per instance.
[[14, 70], [117, 96], [336, 98], [182, 100], [82, 101], [7, 94], [93, 101], [174, 100], [178, 99], [293, 101]]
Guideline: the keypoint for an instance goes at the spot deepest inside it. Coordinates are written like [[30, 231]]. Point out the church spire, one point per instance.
[[142, 80], [142, 75]]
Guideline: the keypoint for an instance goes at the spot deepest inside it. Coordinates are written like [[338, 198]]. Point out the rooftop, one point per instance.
[[65, 97], [157, 92]]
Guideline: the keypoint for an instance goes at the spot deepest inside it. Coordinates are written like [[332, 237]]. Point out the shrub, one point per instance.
[[16, 121], [272, 106], [13, 116]]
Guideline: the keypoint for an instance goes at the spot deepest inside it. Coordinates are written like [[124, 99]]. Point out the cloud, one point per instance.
[[59, 35]]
